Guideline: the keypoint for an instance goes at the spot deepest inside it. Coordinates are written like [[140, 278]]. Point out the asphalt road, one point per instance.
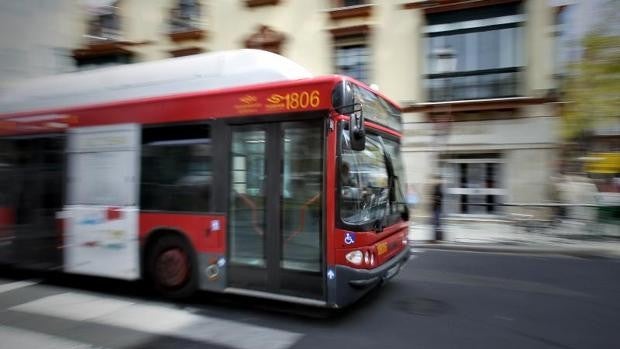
[[441, 300]]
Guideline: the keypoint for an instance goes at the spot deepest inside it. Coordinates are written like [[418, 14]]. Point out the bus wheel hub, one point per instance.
[[172, 268]]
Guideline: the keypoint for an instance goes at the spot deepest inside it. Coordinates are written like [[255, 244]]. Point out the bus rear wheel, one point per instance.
[[172, 267]]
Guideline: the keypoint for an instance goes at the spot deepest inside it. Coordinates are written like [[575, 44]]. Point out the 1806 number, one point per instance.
[[297, 100]]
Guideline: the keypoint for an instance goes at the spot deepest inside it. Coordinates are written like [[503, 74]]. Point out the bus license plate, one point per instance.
[[382, 248]]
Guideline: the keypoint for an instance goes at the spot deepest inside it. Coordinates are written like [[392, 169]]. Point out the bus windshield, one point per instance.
[[366, 183]]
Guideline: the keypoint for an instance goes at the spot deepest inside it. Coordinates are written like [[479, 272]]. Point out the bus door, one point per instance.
[[31, 176], [276, 240]]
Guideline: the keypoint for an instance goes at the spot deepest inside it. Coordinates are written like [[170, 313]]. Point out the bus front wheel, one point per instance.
[[172, 267]]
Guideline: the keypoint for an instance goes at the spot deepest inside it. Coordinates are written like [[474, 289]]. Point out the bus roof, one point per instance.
[[203, 72]]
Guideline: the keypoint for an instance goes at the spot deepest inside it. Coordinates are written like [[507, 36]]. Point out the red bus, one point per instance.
[[234, 172]]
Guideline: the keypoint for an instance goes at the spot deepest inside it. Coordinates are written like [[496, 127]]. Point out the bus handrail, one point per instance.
[[302, 215], [252, 206]]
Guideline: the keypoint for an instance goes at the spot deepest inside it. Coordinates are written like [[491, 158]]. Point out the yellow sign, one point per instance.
[[607, 163]]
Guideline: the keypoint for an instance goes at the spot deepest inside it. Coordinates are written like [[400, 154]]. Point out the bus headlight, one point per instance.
[[366, 258], [372, 259], [355, 257]]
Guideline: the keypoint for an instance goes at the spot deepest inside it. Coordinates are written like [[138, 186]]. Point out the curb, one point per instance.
[[492, 248]]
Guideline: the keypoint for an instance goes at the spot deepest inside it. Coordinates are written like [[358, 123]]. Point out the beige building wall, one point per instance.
[[36, 37], [227, 24], [146, 21], [396, 41], [397, 51], [303, 23], [539, 48]]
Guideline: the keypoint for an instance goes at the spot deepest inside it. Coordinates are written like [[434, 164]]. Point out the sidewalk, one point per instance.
[[567, 238]]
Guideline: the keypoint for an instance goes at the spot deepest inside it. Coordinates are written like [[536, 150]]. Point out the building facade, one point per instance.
[[486, 125]]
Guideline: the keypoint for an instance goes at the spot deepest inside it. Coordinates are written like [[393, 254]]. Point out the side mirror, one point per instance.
[[344, 101], [405, 214], [357, 132]]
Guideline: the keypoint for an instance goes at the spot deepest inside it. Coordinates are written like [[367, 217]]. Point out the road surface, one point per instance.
[[443, 299]]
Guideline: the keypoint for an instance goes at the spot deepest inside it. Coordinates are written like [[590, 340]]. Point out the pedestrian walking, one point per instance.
[[437, 199]]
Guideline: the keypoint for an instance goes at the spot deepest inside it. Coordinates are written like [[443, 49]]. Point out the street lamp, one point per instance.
[[445, 63]]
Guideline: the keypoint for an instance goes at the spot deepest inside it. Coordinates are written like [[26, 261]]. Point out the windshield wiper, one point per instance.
[[405, 211], [392, 178], [380, 222]]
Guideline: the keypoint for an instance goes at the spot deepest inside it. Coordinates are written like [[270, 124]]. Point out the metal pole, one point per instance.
[[446, 63]]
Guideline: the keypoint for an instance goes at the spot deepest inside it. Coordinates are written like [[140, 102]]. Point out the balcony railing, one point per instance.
[[476, 84]]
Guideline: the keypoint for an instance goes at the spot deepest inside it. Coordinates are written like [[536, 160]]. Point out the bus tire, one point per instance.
[[171, 267]]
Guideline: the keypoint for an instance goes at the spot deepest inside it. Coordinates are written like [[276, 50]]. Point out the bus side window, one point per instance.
[[176, 170]]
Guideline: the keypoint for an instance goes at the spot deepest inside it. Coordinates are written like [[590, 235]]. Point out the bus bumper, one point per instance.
[[351, 284]]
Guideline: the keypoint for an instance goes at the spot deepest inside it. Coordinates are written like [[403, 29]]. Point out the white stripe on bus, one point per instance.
[[160, 320], [17, 338]]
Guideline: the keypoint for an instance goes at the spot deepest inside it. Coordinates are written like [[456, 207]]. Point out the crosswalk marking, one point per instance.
[[15, 285], [73, 306], [12, 338], [159, 320]]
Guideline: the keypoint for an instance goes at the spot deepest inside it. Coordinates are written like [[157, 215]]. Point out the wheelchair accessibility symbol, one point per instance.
[[349, 238]]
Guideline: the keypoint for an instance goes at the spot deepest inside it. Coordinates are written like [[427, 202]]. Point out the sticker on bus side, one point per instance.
[[349, 237]]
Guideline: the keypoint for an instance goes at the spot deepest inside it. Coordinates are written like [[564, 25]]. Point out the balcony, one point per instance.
[[258, 3], [358, 11], [185, 22], [476, 84]]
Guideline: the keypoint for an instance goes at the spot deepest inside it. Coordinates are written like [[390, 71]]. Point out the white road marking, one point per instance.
[[73, 306], [159, 320], [17, 284], [18, 338]]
